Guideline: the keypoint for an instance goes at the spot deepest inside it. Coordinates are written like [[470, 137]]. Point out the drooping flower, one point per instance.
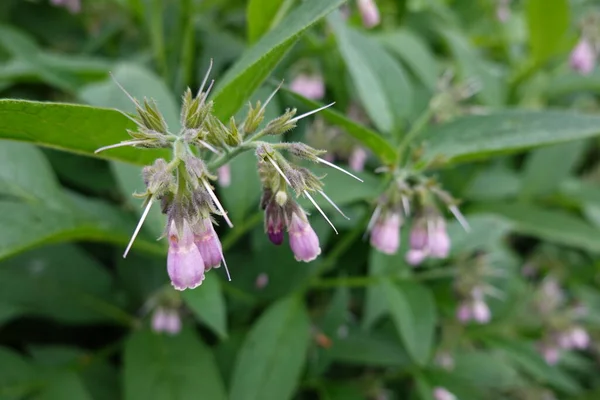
[[224, 174], [583, 57], [428, 238], [74, 6], [208, 244], [474, 308], [503, 10], [550, 353], [184, 261], [369, 13], [463, 312], [166, 320], [310, 86], [274, 218], [480, 311], [579, 338], [385, 234], [304, 242]]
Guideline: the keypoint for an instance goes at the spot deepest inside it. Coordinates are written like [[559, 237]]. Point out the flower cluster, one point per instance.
[[562, 331], [428, 235], [183, 185]]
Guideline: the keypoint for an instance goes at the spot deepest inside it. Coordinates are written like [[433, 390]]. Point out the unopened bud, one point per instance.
[[151, 117], [282, 124], [254, 118], [281, 198]]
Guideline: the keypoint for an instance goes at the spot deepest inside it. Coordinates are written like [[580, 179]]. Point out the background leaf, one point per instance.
[[270, 361]]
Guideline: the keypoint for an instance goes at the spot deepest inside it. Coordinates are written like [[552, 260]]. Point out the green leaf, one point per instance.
[[485, 369], [38, 211], [548, 22], [528, 359], [254, 66], [415, 54], [376, 303], [15, 370], [369, 138], [474, 137], [60, 385], [164, 367], [264, 15], [372, 349], [412, 308], [61, 283], [560, 159], [552, 225], [271, 359], [473, 66], [75, 128], [381, 83], [208, 305]]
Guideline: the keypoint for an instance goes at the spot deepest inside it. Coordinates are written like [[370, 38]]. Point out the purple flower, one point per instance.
[[74, 6], [428, 238], [385, 235], [304, 242], [503, 10], [583, 57], [166, 321], [274, 222], [224, 175], [550, 353], [369, 13], [464, 312], [208, 244], [480, 311], [357, 159], [184, 261], [309, 86], [415, 257], [579, 338], [440, 393]]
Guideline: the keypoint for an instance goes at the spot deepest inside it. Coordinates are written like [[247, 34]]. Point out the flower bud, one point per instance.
[[282, 124], [418, 235], [262, 280], [310, 86], [369, 13], [208, 244], [281, 197], [274, 223], [184, 261], [583, 57], [304, 242], [385, 235]]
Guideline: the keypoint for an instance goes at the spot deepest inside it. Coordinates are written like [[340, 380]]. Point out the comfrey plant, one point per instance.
[[183, 185]]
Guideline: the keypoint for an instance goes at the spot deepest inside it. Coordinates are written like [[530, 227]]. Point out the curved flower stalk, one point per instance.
[[200, 153]]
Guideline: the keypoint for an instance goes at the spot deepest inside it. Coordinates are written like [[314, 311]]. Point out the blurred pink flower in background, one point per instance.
[[583, 57], [74, 6], [310, 86], [369, 13]]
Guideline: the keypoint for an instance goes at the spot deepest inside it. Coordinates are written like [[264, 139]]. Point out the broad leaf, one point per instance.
[[75, 128], [165, 367], [372, 349], [271, 359], [481, 136], [548, 22], [254, 66], [208, 304], [61, 283], [553, 225], [415, 54], [381, 83], [412, 308], [264, 15]]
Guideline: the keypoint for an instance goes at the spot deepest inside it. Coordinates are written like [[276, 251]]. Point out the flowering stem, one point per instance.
[[225, 158]]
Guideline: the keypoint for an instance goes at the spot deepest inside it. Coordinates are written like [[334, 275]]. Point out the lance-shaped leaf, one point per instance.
[[481, 136]]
